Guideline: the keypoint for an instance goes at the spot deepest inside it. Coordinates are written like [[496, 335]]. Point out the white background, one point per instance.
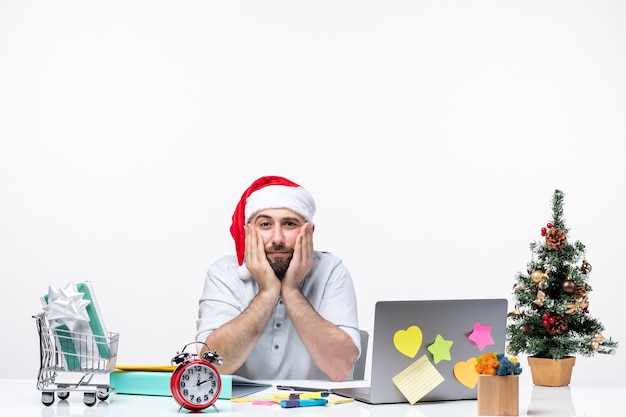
[[431, 133]]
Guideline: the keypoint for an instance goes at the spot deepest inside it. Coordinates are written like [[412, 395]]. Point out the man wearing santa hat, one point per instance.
[[279, 309]]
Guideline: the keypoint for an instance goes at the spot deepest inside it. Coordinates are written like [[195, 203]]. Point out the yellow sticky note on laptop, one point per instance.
[[418, 379]]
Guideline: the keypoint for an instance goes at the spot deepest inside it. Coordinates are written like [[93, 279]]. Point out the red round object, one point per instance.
[[549, 225], [195, 384]]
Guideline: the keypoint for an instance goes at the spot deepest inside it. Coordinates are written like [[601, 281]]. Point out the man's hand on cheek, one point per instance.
[[302, 260], [256, 261]]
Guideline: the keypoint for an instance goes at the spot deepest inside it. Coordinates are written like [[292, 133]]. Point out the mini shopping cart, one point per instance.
[[67, 356]]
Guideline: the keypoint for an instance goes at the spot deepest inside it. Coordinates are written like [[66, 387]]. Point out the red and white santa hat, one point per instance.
[[265, 193]]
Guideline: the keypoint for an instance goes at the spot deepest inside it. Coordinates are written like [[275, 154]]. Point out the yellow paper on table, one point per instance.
[[334, 399], [418, 379]]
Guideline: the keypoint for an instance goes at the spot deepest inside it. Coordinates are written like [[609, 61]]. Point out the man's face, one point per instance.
[[279, 229]]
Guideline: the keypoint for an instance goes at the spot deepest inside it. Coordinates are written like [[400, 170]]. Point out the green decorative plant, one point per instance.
[[552, 317]]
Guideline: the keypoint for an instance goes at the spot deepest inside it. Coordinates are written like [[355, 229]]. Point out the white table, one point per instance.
[[20, 397]]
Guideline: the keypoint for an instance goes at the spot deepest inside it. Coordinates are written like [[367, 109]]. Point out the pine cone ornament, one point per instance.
[[556, 239], [580, 291], [557, 325]]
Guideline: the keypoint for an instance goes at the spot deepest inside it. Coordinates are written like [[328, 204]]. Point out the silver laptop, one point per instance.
[[474, 326]]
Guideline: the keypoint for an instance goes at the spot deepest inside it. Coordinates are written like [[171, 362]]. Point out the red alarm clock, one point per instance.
[[196, 383]]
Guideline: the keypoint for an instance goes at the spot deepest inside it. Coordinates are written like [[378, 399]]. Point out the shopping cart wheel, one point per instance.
[[63, 395], [102, 393], [47, 398], [89, 398]]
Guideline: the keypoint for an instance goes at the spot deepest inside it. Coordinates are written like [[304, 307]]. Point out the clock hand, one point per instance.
[[203, 382]]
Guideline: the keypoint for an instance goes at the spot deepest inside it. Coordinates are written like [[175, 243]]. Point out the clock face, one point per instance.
[[197, 385]]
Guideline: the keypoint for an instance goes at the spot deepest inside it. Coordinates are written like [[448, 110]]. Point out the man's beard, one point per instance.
[[280, 265]]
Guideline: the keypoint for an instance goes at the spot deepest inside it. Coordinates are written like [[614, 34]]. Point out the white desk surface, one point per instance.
[[20, 397]]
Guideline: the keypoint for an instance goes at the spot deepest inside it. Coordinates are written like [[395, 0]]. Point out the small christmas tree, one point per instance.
[[551, 317]]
